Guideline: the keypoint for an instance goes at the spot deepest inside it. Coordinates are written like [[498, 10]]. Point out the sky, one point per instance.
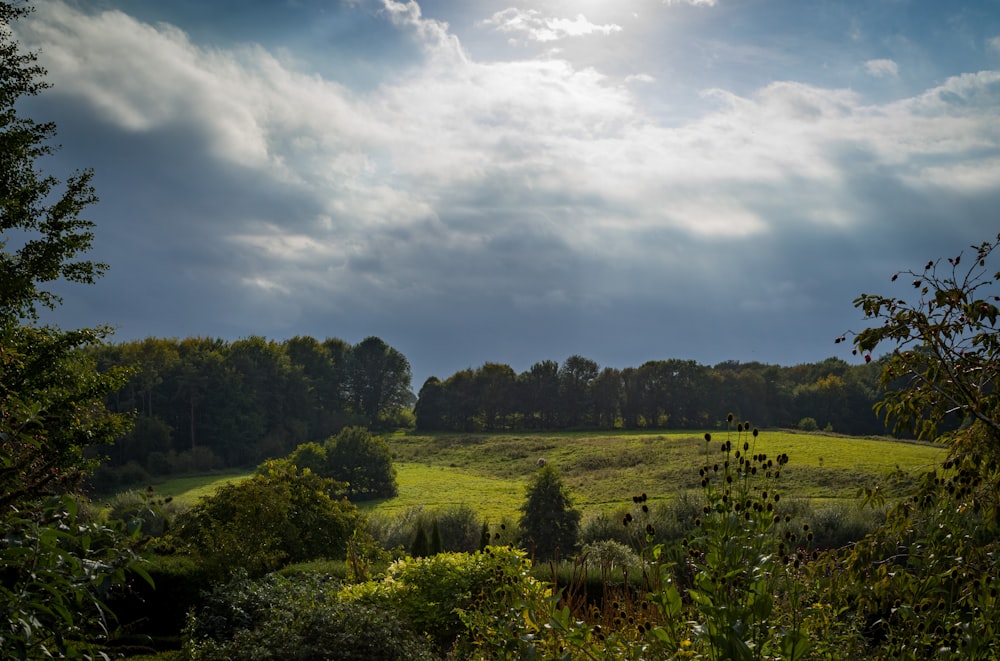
[[478, 181]]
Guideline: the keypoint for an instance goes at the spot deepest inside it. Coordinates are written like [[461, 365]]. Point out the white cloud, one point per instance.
[[994, 44], [537, 27], [882, 68], [640, 78], [693, 3]]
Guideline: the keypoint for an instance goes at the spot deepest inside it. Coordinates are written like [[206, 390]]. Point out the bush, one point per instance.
[[808, 424], [433, 592], [362, 461], [274, 517], [459, 527], [144, 511], [301, 618], [161, 610]]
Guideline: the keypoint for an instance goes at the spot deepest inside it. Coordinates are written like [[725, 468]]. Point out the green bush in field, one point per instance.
[[355, 457], [274, 517], [301, 618], [808, 424]]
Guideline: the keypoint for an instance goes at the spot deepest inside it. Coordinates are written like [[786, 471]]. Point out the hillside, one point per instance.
[[488, 471]]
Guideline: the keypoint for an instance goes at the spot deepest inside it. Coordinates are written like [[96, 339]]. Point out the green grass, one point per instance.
[[188, 489], [604, 470]]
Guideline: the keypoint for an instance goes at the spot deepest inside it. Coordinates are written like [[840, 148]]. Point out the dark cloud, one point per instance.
[[509, 210]]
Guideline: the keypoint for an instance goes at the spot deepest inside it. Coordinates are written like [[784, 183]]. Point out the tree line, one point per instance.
[[201, 403], [659, 394]]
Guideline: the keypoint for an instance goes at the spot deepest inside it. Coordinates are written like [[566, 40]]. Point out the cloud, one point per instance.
[[640, 78], [994, 43], [536, 27], [488, 200], [882, 68], [693, 3]]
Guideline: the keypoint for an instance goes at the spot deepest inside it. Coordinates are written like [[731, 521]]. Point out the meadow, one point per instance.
[[489, 472]]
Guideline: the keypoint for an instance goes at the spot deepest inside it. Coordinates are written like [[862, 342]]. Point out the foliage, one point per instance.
[[378, 379], [277, 516], [50, 411], [58, 571], [144, 511], [549, 523], [926, 581], [441, 594], [33, 213], [203, 401], [57, 567], [363, 462], [659, 394], [302, 618], [741, 568], [944, 362]]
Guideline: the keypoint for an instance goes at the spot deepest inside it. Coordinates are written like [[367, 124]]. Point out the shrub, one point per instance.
[[808, 424], [433, 592], [302, 618], [144, 511], [160, 610], [274, 517]]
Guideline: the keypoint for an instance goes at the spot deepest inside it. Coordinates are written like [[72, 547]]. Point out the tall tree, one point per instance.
[[430, 407], [51, 393], [576, 380], [540, 394], [378, 379]]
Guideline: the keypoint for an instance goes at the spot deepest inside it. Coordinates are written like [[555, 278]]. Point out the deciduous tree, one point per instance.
[[51, 394], [944, 349]]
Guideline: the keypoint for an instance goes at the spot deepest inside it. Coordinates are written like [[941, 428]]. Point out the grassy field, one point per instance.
[[604, 470]]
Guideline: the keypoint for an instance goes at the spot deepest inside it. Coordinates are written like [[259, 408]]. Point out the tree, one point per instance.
[[494, 388], [944, 360], [940, 377], [51, 393], [549, 524], [363, 461], [430, 406], [540, 394], [576, 379], [378, 379]]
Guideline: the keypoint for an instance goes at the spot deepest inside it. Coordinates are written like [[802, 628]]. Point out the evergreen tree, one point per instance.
[[549, 523]]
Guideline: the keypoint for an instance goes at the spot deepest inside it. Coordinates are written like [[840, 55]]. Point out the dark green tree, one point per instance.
[[549, 523], [420, 547], [576, 380], [51, 393], [363, 461], [539, 388], [430, 407], [378, 379], [494, 389]]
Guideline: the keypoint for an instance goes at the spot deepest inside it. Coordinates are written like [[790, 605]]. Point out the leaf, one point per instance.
[[794, 645]]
